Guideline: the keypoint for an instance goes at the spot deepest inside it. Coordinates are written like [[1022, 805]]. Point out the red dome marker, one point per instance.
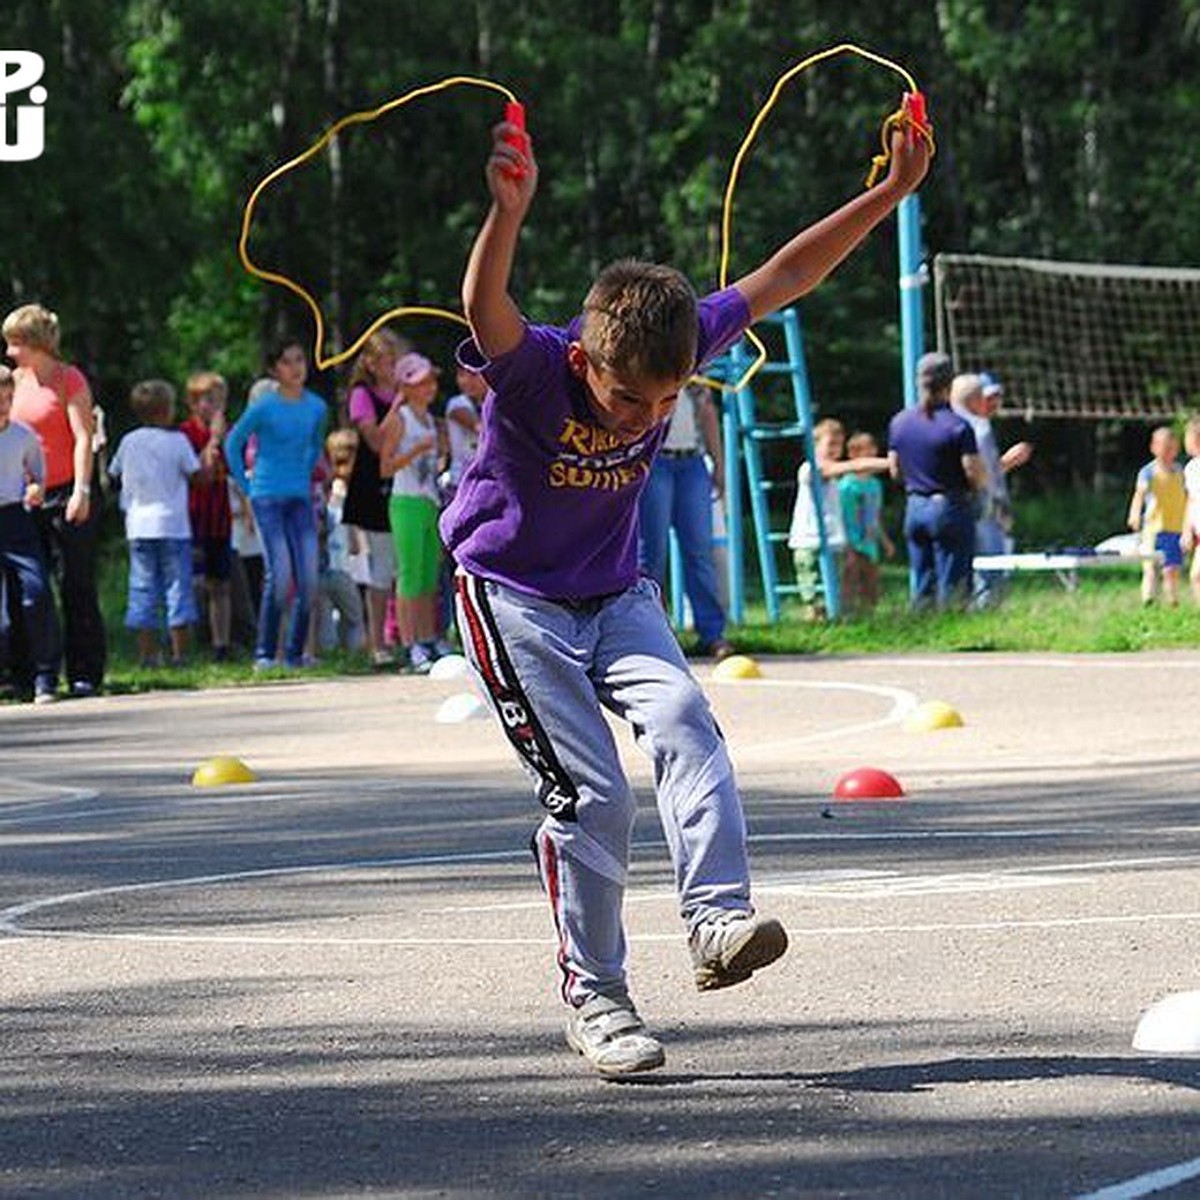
[[868, 783]]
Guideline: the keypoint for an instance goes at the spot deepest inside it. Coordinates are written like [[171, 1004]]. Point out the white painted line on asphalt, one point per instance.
[[1001, 926], [39, 798], [877, 885], [1148, 1184], [903, 702], [247, 939], [11, 918]]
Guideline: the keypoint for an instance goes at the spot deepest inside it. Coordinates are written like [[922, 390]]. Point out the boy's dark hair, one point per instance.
[[281, 344], [639, 318], [152, 401]]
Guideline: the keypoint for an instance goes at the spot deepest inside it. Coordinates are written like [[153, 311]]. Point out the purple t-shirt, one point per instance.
[[549, 503], [931, 450]]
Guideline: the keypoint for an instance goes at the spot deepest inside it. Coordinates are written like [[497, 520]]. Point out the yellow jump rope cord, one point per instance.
[[358, 118], [878, 164], [897, 119]]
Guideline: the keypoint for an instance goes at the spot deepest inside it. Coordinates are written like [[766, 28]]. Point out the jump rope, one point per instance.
[[910, 117]]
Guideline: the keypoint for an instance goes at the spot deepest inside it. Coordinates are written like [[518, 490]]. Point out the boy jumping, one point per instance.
[[553, 616]]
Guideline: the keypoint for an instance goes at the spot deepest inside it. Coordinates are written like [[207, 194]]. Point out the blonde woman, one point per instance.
[[53, 398]]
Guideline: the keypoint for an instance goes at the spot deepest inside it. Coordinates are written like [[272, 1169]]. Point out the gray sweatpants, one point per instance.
[[550, 669]]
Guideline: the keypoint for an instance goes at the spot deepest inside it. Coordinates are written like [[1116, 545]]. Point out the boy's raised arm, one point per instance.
[[797, 267], [496, 321]]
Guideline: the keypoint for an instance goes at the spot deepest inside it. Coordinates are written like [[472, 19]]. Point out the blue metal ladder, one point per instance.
[[745, 440]]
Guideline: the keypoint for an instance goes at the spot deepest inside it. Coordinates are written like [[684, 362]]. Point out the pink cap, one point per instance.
[[413, 368]]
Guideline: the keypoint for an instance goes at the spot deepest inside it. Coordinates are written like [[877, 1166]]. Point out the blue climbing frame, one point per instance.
[[745, 436]]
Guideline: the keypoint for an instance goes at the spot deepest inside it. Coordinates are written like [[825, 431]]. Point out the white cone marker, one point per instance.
[[462, 706], [1172, 1026]]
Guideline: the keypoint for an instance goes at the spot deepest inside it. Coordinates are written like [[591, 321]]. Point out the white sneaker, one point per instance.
[[731, 946], [609, 1033]]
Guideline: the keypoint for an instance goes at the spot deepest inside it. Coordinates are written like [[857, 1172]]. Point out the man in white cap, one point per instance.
[[977, 398]]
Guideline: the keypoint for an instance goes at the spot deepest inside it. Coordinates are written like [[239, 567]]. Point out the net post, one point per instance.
[[912, 280]]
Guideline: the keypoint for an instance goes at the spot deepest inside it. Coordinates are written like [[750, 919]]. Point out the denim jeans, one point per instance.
[[678, 495], [990, 538], [24, 566], [940, 532], [288, 531], [160, 581]]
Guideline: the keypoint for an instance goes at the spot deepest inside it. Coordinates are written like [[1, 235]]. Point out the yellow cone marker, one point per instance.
[[934, 714], [737, 666], [217, 772]]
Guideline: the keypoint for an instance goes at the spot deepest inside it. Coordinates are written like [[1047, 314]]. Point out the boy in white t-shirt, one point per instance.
[[153, 466]]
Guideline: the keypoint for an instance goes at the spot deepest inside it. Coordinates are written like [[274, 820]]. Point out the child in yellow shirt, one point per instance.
[[1157, 511]]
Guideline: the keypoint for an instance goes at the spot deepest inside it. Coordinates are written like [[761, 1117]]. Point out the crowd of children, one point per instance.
[[301, 541], [341, 525], [248, 531]]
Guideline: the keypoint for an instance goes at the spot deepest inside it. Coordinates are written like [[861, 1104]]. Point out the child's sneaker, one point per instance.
[[609, 1033], [730, 947], [420, 658]]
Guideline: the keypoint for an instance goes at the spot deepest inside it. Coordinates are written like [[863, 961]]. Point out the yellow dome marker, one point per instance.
[[217, 772], [737, 666], [933, 714]]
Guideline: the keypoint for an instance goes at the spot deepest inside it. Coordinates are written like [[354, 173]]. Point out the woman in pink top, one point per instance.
[[53, 398]]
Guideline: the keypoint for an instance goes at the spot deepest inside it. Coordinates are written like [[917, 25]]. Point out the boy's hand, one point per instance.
[[34, 495], [512, 171], [909, 162]]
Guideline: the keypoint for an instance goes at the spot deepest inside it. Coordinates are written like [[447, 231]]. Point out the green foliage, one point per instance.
[[1059, 125]]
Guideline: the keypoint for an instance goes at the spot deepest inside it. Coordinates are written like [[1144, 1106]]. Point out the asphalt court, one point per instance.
[[339, 980]]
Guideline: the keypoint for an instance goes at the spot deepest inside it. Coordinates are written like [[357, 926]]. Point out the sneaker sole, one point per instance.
[[649, 1061], [764, 943]]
